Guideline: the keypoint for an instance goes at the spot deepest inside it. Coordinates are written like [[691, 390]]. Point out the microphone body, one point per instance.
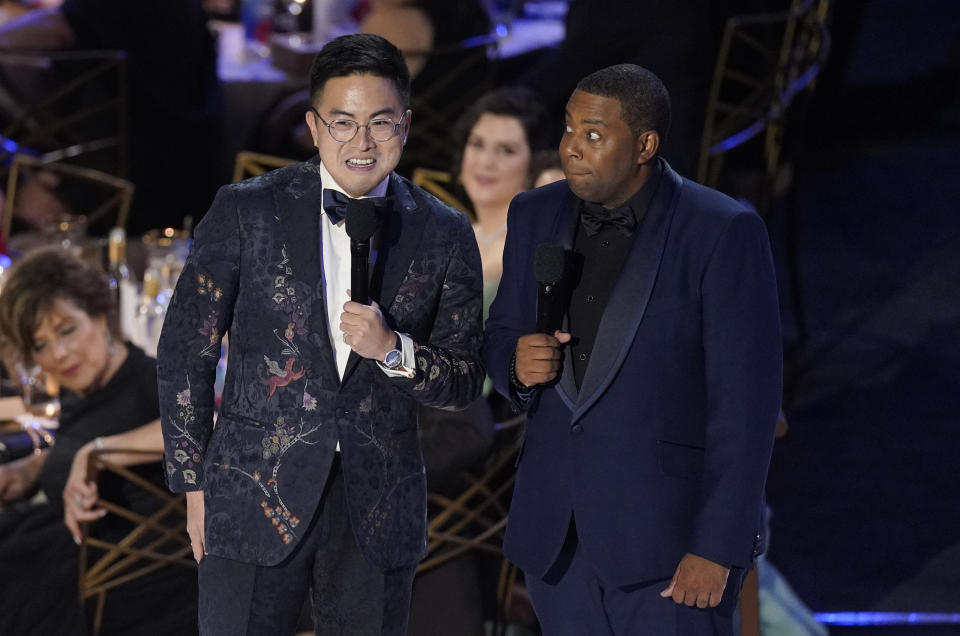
[[360, 271], [549, 266], [361, 223]]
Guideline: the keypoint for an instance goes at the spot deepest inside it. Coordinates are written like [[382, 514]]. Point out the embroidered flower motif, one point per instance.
[[180, 455], [190, 477], [171, 469], [217, 293], [183, 397], [256, 476], [309, 402]]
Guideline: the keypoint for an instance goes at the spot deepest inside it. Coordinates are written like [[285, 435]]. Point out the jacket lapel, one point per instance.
[[399, 242], [627, 304], [298, 211]]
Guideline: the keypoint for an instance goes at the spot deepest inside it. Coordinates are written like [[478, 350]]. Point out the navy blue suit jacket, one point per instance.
[[664, 449], [254, 270]]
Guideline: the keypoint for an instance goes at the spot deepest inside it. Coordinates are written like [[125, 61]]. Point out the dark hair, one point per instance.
[[644, 100], [359, 54], [42, 278], [519, 103]]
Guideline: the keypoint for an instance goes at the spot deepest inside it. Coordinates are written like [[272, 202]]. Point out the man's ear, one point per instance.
[[648, 143], [312, 125]]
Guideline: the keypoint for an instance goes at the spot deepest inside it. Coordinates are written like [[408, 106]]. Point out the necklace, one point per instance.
[[486, 239]]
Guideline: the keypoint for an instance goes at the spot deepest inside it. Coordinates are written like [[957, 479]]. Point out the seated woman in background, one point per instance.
[[59, 312], [494, 143], [496, 140]]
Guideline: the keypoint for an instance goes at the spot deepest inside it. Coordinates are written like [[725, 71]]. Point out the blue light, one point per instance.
[[9, 145], [888, 618]]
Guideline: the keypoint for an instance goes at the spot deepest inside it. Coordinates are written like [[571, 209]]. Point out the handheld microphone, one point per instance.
[[361, 222], [549, 268]]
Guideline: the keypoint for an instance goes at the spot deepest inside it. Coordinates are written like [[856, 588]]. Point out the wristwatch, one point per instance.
[[394, 357]]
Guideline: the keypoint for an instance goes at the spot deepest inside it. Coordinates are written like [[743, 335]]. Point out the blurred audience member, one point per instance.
[[546, 168], [58, 312], [174, 100], [495, 141]]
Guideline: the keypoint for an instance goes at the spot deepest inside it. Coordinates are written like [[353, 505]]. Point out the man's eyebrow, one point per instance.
[[593, 122], [382, 111]]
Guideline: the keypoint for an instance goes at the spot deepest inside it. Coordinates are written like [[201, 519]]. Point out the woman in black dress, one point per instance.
[[58, 312]]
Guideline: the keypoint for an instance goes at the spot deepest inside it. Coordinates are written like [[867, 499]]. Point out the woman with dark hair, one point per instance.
[[495, 141], [58, 312]]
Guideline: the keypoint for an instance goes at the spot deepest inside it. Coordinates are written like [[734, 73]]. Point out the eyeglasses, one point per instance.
[[344, 130]]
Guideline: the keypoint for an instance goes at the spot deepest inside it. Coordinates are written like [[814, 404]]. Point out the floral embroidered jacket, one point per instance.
[[254, 271]]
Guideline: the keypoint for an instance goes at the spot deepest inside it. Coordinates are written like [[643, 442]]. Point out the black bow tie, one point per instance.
[[335, 204], [594, 216]]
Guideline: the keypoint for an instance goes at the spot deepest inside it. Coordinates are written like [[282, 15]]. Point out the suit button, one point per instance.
[[583, 357], [576, 429]]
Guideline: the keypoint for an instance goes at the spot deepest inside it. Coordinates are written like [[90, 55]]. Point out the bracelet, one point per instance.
[[517, 385]]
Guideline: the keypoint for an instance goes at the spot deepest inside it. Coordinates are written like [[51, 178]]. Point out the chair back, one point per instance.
[[156, 541], [764, 61], [476, 519], [65, 105], [254, 164], [454, 77], [101, 199], [438, 183]]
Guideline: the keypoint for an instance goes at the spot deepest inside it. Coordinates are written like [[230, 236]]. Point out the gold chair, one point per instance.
[[764, 61], [156, 541], [254, 164], [65, 105], [437, 183], [476, 519], [102, 199]]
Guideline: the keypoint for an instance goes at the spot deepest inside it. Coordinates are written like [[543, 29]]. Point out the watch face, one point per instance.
[[392, 359]]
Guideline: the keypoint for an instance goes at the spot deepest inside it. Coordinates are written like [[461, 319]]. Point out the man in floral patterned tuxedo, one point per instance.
[[312, 478]]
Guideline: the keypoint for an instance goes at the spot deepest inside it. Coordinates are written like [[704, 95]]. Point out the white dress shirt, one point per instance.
[[336, 280]]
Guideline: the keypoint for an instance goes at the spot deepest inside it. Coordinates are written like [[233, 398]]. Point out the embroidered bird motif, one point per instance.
[[281, 377]]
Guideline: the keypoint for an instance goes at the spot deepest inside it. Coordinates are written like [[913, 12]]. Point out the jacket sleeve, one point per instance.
[[197, 317], [743, 365], [508, 319], [449, 372]]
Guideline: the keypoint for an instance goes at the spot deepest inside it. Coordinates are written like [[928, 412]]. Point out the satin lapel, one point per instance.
[[298, 210], [565, 232], [627, 304], [398, 244]]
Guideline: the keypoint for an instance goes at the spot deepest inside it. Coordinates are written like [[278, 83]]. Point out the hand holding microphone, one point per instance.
[[364, 328], [539, 356]]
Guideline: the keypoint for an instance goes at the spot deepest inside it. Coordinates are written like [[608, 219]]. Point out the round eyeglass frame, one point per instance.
[[358, 126]]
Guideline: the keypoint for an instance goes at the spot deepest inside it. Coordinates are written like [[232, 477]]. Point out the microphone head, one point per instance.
[[361, 219], [549, 263]]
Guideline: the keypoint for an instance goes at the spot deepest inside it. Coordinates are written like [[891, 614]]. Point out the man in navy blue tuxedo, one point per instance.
[[312, 479], [638, 498]]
